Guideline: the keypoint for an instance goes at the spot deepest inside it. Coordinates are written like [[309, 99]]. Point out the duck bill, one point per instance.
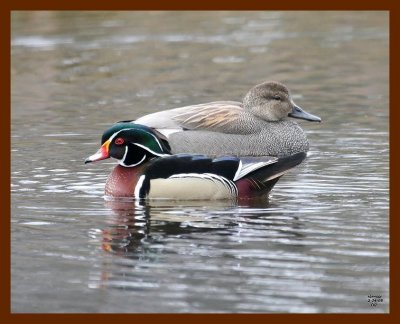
[[297, 112], [102, 154]]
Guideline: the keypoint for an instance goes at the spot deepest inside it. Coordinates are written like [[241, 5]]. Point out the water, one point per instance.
[[320, 244]]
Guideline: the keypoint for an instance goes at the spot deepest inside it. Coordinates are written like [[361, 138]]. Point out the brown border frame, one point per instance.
[[387, 5]]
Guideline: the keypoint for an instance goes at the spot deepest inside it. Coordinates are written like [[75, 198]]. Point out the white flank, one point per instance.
[[189, 188], [227, 184]]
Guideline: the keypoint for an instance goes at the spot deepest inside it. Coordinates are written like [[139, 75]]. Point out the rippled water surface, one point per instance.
[[320, 244]]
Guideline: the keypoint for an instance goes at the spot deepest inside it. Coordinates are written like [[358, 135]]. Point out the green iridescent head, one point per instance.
[[131, 144]]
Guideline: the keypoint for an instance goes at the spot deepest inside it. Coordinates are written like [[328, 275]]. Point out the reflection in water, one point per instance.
[[143, 231], [134, 224]]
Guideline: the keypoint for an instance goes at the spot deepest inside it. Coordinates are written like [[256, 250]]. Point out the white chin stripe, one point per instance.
[[121, 162]]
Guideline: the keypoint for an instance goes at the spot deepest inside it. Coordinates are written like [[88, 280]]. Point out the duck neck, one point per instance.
[[248, 123]]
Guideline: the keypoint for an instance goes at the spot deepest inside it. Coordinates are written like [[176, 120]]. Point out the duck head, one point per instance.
[[131, 144], [272, 101]]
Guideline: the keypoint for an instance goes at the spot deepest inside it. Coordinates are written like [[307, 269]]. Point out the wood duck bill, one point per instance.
[[102, 154], [298, 112]]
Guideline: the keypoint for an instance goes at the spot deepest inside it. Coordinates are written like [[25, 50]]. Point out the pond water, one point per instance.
[[321, 242]]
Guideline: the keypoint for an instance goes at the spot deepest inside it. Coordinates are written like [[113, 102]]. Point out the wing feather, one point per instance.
[[250, 164], [213, 116]]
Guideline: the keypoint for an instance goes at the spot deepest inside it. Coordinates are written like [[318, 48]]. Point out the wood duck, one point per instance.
[[148, 170], [258, 126]]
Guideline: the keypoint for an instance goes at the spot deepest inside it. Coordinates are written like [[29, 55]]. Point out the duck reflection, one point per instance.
[[153, 237], [133, 225]]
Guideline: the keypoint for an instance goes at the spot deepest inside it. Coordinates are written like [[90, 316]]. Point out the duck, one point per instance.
[[147, 169], [258, 126]]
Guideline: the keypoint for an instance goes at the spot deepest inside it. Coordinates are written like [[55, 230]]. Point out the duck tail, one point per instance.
[[260, 182]]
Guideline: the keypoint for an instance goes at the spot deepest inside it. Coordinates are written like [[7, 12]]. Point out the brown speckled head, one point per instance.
[[271, 101]]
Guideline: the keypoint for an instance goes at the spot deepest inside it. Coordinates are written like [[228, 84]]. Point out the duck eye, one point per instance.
[[119, 141], [276, 97]]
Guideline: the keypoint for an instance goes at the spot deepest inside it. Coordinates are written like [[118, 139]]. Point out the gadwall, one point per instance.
[[256, 127]]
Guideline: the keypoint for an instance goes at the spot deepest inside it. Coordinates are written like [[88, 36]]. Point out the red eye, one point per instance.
[[119, 141]]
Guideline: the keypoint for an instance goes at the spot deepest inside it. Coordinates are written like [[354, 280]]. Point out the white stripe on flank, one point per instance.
[[139, 185]]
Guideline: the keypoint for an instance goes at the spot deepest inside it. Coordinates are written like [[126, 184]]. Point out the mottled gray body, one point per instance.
[[281, 138]]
